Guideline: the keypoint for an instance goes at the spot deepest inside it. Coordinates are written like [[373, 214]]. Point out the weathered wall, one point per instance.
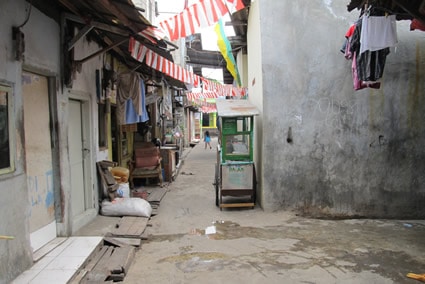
[[329, 150], [254, 82], [16, 254]]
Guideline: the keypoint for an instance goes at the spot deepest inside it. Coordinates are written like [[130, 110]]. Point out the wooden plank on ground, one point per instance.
[[157, 194], [113, 266], [89, 266], [130, 226], [100, 271], [121, 259], [113, 241], [129, 241]]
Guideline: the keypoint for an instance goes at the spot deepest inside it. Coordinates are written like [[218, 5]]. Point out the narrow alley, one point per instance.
[[192, 241]]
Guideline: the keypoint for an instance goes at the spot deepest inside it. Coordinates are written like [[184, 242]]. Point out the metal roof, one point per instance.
[[111, 23], [233, 108]]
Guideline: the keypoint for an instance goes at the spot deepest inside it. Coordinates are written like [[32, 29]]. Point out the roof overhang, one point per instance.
[[111, 23], [403, 9]]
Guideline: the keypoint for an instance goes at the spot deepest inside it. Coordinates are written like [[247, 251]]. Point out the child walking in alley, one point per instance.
[[207, 139]]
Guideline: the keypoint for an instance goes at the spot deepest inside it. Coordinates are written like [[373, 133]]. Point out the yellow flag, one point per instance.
[[226, 50]]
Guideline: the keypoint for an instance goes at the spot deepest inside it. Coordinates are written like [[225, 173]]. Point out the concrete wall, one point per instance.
[[329, 150], [254, 82], [42, 56], [16, 254]]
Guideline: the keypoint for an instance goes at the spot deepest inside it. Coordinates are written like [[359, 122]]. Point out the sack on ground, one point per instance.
[[126, 207]]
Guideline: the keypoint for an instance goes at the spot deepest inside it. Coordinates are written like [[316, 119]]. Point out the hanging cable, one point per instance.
[[28, 16]]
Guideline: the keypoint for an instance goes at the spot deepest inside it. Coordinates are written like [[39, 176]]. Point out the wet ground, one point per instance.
[[192, 241]]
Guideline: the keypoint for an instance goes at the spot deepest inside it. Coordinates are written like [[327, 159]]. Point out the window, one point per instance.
[[205, 119], [102, 120], [6, 134], [237, 138]]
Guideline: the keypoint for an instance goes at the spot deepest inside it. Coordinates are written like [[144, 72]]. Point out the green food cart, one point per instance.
[[235, 180]]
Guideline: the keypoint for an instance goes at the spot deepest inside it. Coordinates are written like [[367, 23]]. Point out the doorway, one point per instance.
[[82, 194], [38, 159]]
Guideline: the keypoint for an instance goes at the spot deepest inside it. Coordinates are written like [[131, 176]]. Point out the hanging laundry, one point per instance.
[[128, 88], [370, 64], [346, 46], [131, 116], [367, 67], [359, 84], [378, 32], [417, 25]]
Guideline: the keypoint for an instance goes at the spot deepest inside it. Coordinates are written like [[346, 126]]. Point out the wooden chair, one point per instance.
[[146, 163]]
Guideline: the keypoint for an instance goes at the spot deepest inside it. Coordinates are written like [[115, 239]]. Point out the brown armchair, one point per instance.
[[146, 163]]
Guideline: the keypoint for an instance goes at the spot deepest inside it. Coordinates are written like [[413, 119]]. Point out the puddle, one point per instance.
[[226, 230]]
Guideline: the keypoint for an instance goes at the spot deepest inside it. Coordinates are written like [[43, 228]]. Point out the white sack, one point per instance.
[[126, 207], [123, 190]]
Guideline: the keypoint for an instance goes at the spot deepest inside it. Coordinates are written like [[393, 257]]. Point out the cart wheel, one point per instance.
[[216, 184]]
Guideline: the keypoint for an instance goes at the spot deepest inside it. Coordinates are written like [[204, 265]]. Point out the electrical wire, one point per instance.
[[28, 16]]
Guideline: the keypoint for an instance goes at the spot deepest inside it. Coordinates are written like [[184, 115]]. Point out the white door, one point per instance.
[[38, 157], [77, 152]]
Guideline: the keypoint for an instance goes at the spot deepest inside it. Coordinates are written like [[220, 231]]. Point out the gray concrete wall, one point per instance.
[[254, 82], [42, 56], [329, 150], [16, 254]]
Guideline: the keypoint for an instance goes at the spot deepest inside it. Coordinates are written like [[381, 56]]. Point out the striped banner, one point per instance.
[[200, 15], [204, 95], [210, 89], [204, 106]]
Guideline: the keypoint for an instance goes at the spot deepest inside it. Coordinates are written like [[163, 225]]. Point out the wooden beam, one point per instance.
[[109, 42], [128, 4], [81, 33], [97, 25], [114, 10], [236, 23], [232, 205], [101, 51], [70, 6], [410, 7]]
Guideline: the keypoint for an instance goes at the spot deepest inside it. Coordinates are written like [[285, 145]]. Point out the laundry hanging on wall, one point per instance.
[[367, 43]]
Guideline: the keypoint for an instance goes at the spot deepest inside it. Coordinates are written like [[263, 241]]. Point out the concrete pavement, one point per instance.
[[253, 246]]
